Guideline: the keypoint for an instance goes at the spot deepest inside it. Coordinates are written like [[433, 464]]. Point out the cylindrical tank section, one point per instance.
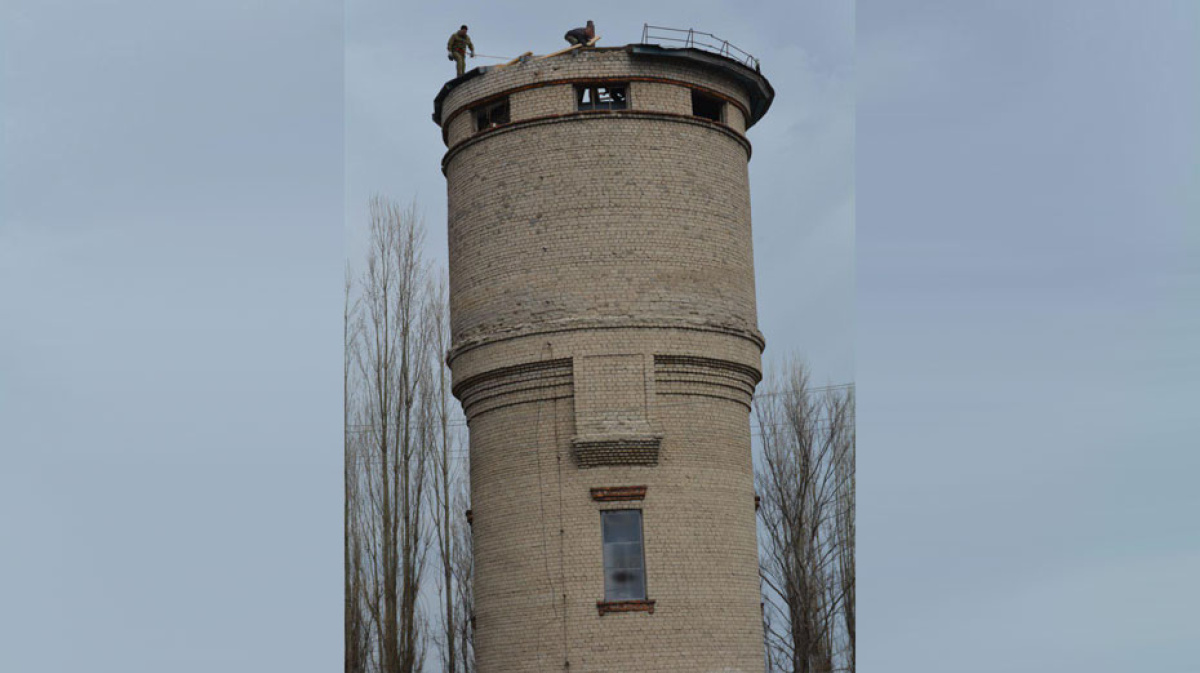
[[605, 351]]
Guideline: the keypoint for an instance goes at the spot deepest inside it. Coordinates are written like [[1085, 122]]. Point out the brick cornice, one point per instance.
[[480, 337], [516, 384], [610, 450], [708, 377]]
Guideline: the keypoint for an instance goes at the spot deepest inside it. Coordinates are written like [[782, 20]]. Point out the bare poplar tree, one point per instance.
[[401, 482], [844, 530], [450, 499], [390, 356], [805, 481], [357, 637], [463, 574], [437, 322]]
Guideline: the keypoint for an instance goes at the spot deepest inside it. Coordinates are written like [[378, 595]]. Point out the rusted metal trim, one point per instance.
[[605, 607], [617, 493], [589, 81], [593, 114]]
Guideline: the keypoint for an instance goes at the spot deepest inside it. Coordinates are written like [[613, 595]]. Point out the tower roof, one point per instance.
[[757, 87]]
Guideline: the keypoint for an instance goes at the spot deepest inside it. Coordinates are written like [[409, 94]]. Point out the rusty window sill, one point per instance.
[[618, 493], [605, 607]]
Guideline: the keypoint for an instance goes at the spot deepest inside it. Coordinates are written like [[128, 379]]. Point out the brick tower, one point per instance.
[[605, 351]]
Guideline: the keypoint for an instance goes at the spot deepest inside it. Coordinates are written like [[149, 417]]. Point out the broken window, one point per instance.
[[708, 107], [602, 97], [624, 564], [491, 114]]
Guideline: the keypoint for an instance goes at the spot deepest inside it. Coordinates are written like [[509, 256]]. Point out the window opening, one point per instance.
[[491, 115], [624, 563], [708, 107], [602, 97]]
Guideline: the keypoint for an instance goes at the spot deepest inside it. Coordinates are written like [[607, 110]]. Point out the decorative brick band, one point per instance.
[[605, 607], [615, 493], [593, 115], [484, 336], [602, 451], [708, 377], [506, 386], [589, 81]]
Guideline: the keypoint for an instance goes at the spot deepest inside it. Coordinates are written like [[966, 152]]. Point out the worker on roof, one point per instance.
[[581, 35], [457, 46]]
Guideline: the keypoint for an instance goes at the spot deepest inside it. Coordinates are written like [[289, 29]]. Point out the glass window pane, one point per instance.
[[622, 555], [624, 564], [636, 584], [622, 526], [624, 585]]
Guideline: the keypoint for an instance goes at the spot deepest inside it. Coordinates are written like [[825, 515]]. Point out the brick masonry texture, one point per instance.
[[669, 200], [582, 65], [605, 350]]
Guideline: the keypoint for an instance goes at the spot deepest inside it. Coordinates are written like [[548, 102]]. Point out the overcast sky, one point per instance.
[[170, 377], [178, 181], [1029, 335]]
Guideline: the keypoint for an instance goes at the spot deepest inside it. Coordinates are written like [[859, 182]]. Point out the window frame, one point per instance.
[[645, 582], [487, 111], [593, 93]]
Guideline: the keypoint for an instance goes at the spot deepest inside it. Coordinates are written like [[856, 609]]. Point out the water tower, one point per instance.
[[605, 351]]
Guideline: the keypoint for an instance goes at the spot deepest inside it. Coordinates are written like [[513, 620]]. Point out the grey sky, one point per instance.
[[170, 376], [1028, 299], [1028, 309]]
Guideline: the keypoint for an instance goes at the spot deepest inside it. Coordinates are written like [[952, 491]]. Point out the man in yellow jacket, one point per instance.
[[457, 46]]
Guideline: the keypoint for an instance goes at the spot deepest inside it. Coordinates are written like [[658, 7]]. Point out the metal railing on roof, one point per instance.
[[697, 40]]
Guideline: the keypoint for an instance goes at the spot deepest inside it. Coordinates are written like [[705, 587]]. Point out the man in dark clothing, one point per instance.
[[457, 48], [581, 35]]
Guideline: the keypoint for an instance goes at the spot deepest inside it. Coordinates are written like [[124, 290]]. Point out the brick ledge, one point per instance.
[[605, 607], [618, 493], [483, 336], [616, 449]]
